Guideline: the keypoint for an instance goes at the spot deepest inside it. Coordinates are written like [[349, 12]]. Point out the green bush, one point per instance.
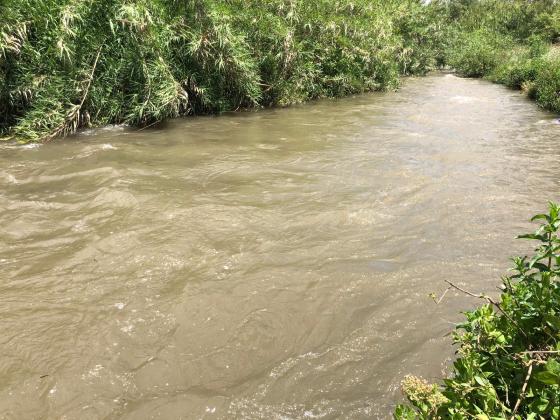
[[517, 71], [520, 69], [518, 19], [478, 53], [547, 83], [424, 32], [508, 364], [509, 43]]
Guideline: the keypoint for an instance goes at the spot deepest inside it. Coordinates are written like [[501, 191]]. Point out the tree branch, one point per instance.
[[523, 389], [492, 302]]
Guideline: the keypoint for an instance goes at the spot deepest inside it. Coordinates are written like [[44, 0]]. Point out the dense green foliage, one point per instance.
[[509, 42], [66, 64], [508, 364]]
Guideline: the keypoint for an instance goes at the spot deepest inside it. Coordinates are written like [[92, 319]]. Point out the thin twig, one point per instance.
[[441, 297], [90, 77], [148, 126], [541, 352], [492, 302], [523, 389], [76, 110]]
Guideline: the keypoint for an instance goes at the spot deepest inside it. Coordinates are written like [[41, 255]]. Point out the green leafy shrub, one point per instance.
[[508, 364], [507, 42], [518, 70], [522, 65], [547, 83], [425, 33], [478, 53]]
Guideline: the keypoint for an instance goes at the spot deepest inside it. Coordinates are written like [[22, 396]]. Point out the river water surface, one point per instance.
[[262, 265]]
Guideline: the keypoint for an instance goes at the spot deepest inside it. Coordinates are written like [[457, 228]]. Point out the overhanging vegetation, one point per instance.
[[67, 64]]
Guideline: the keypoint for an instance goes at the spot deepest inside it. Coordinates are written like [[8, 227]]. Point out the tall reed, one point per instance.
[[67, 64]]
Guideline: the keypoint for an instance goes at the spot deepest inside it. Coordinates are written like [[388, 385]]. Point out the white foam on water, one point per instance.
[[463, 99]]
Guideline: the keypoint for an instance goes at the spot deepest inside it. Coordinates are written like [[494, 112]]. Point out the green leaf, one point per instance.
[[548, 378], [541, 217], [551, 374], [480, 381], [553, 321], [553, 366], [535, 260], [540, 266], [538, 237], [541, 404], [404, 412]]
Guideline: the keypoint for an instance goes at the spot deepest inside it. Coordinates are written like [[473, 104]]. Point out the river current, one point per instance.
[[262, 265]]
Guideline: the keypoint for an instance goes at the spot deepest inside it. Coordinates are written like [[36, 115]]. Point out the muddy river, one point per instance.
[[262, 265]]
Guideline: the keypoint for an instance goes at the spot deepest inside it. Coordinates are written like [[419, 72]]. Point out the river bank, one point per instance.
[[65, 66], [511, 43], [71, 65]]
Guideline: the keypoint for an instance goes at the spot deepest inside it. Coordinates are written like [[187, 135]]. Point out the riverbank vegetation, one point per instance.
[[508, 364], [68, 64], [508, 349], [508, 42]]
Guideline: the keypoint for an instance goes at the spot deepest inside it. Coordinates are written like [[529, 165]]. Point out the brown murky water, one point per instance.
[[264, 265]]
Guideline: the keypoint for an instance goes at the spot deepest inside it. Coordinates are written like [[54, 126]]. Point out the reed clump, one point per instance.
[[68, 64]]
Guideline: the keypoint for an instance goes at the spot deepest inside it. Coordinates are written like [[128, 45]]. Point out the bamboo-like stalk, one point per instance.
[[166, 58]]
